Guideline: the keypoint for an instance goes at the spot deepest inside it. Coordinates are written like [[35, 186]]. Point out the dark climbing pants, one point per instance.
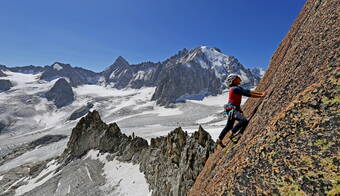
[[240, 126]]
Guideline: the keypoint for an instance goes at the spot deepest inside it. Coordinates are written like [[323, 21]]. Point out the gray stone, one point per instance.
[[61, 93], [5, 85]]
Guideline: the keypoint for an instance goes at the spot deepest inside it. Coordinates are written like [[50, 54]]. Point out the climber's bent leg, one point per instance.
[[242, 122], [228, 126]]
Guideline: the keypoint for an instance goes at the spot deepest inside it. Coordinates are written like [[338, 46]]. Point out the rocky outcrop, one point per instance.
[[173, 162], [92, 133], [170, 163], [291, 145], [61, 93], [5, 85], [81, 112]]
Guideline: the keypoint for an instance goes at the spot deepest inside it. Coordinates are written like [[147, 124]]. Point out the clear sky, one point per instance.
[[92, 34]]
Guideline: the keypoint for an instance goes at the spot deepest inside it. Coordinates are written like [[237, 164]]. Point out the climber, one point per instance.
[[233, 108]]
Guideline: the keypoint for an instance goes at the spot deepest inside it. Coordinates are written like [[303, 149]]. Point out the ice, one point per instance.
[[44, 175], [15, 183], [140, 75], [38, 154], [88, 173], [58, 67], [218, 100], [206, 120], [124, 177]]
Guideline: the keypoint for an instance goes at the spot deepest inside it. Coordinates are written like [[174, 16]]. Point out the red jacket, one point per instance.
[[235, 95]]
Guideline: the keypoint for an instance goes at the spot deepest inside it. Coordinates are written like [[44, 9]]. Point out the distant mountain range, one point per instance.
[[190, 74]]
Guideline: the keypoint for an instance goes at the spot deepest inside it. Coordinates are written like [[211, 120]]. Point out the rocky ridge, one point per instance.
[[170, 163], [291, 145]]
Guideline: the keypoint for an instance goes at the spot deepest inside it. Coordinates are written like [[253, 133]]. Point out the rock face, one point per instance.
[[61, 93], [178, 81], [170, 164], [5, 85], [77, 76], [291, 145]]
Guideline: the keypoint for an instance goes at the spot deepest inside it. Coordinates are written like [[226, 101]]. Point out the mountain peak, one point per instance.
[[59, 66], [121, 61], [206, 48]]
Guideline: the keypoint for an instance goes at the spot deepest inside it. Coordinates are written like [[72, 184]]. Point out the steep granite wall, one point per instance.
[[291, 144]]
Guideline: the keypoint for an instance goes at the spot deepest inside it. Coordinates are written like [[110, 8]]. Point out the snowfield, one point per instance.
[[121, 178]]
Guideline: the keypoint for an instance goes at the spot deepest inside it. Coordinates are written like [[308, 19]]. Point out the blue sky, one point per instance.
[[92, 34]]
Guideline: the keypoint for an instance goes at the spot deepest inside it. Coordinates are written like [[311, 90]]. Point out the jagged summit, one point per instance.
[[170, 163], [121, 61]]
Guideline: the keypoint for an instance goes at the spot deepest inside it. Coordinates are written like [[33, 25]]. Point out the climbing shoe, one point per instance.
[[220, 143], [234, 139]]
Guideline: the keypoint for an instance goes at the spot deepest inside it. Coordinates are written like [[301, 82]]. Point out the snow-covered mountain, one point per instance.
[[75, 75], [190, 74], [221, 64], [258, 72], [122, 75]]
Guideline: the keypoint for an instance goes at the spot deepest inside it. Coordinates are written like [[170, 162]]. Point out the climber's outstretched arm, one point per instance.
[[256, 94]]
